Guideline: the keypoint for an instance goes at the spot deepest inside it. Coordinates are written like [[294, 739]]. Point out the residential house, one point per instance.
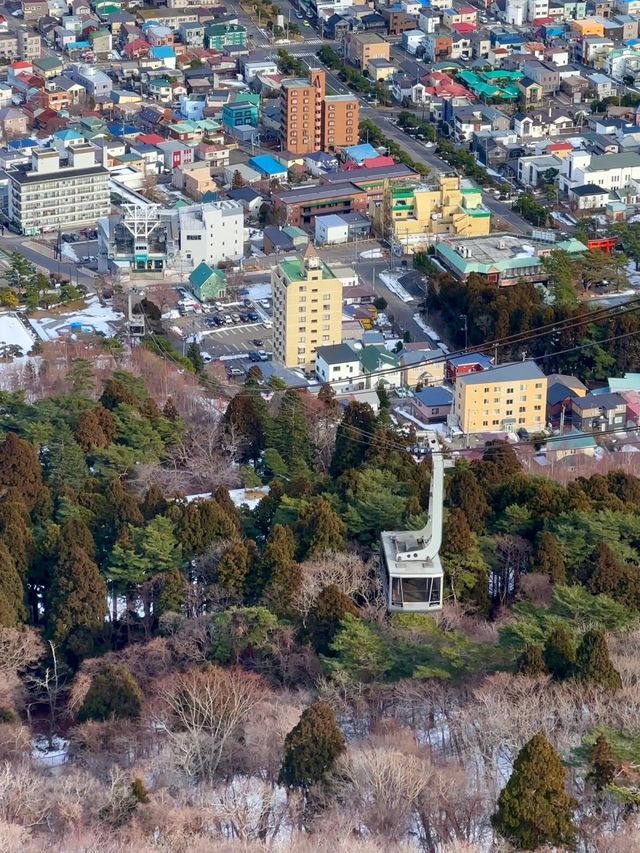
[[373, 360], [599, 412], [208, 283], [421, 366], [461, 365], [337, 363], [561, 390]]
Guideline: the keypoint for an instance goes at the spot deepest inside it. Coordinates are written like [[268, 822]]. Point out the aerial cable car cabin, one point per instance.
[[410, 561]]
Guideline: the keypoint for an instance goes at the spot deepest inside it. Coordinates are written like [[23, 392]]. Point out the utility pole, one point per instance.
[[464, 327]]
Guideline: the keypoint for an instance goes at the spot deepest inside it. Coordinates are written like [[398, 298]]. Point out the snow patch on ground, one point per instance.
[[94, 317], [371, 254], [248, 497], [633, 274], [391, 281], [431, 332], [68, 253], [50, 754], [262, 290], [13, 332]]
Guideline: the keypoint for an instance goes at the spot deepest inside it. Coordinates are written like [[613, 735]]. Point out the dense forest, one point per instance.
[[183, 673]]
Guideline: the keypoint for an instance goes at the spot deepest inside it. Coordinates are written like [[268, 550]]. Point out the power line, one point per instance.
[[445, 357]]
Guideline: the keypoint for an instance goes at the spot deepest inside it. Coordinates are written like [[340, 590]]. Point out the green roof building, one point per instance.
[[219, 36], [207, 283]]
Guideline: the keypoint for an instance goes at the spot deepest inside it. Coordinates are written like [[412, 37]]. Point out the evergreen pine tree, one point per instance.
[[290, 433], [323, 620], [233, 567], [222, 498], [593, 664], [457, 533], [173, 591], [114, 694], [249, 419], [15, 530], [107, 424], [531, 661], [153, 503], [88, 432], [280, 571], [66, 466], [534, 808], [549, 559], [560, 653], [311, 748], [78, 595], [20, 469], [320, 529], [464, 492], [12, 606], [602, 764], [74, 533], [353, 438], [195, 357]]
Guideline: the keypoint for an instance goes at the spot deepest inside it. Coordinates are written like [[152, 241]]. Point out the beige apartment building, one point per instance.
[[364, 47], [502, 399], [307, 308], [45, 195], [311, 120]]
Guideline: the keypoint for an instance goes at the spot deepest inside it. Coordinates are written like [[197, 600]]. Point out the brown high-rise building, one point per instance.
[[311, 120]]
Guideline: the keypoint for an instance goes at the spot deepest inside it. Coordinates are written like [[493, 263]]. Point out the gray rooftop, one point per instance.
[[336, 354], [517, 371]]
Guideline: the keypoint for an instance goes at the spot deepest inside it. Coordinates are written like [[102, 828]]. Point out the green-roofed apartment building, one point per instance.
[[307, 308]]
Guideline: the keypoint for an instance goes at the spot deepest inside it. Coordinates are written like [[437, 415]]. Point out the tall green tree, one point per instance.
[[65, 462], [549, 559], [280, 571], [320, 529], [311, 748], [20, 468], [233, 567], [323, 620], [78, 596], [560, 653], [534, 808], [353, 438], [15, 530], [593, 664], [290, 433], [12, 606], [464, 492], [248, 418]]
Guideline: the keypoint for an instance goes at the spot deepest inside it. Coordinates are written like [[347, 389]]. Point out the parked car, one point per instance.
[[247, 303], [265, 303], [254, 356], [235, 318], [262, 355], [206, 357], [235, 371], [258, 342], [254, 316], [244, 317], [228, 321]]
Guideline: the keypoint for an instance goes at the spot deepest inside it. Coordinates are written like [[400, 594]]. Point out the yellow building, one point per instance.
[[380, 70], [585, 27], [502, 399], [366, 46], [307, 308], [418, 214]]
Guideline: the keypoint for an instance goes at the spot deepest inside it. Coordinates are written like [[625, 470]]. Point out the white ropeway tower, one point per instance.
[[410, 561]]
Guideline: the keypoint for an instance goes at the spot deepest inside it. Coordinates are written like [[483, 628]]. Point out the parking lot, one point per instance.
[[239, 329]]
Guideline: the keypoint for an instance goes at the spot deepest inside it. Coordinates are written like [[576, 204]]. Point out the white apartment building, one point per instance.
[[45, 195], [538, 9], [515, 12], [211, 232], [609, 171], [622, 62]]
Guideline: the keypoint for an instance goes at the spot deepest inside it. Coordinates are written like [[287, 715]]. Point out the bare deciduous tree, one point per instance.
[[204, 714]]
